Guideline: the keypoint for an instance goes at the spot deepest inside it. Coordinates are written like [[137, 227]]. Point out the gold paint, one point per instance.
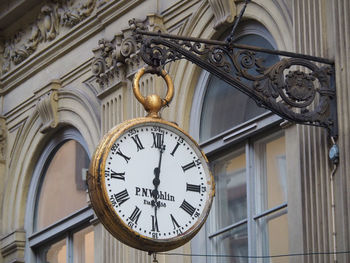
[[153, 103], [104, 209]]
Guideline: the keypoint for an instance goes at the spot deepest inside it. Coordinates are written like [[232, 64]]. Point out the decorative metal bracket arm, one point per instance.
[[299, 88]]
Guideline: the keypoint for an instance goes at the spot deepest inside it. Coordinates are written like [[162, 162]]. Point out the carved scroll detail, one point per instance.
[[54, 15], [3, 139], [47, 107], [295, 88], [224, 12], [118, 58]]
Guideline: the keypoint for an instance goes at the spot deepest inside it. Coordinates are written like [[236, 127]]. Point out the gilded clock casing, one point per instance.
[[106, 212]]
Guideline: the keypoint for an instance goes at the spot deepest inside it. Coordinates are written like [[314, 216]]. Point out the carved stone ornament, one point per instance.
[[118, 58], [47, 106], [3, 137], [224, 12], [12, 246], [54, 15]]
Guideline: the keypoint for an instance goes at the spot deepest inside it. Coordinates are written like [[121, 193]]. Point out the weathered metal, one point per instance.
[[299, 88]]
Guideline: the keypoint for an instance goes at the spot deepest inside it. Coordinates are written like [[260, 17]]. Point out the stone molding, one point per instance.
[[3, 139], [47, 105], [224, 12], [106, 11], [54, 17], [116, 59], [12, 246]]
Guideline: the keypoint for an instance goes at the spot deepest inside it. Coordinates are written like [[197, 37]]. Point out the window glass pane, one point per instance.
[[276, 191], [225, 106], [83, 242], [62, 191], [231, 193], [273, 236], [232, 243], [56, 253]]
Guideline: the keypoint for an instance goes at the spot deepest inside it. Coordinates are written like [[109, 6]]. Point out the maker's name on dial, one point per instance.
[[146, 192]]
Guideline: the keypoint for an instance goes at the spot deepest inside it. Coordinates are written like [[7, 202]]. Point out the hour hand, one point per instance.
[[156, 172]]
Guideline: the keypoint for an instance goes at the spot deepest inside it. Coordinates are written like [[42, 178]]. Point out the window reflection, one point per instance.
[[273, 236], [250, 208], [225, 106], [276, 172], [273, 186], [233, 245], [63, 190], [83, 242], [55, 253], [231, 193]]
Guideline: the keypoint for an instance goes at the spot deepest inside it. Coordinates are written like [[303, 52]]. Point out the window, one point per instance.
[[61, 232], [249, 213], [247, 154]]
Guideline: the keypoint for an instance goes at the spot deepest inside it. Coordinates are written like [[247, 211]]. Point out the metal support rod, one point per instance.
[[230, 38], [335, 161], [297, 87], [155, 258], [239, 46], [334, 235]]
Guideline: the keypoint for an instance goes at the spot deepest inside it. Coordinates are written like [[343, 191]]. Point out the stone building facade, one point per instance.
[[66, 70]]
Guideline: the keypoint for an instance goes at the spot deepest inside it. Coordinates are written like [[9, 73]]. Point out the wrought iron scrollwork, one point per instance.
[[295, 88]]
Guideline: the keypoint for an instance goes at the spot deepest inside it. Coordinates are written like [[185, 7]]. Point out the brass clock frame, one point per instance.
[[96, 179]]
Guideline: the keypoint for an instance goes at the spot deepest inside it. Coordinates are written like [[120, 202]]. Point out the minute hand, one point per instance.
[[156, 172], [161, 150]]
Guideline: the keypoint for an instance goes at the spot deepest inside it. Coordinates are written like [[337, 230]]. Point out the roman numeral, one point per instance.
[[115, 175], [137, 142], [121, 197], [188, 166], [188, 208], [193, 188], [135, 215], [158, 140], [175, 224], [154, 224], [175, 148], [126, 158]]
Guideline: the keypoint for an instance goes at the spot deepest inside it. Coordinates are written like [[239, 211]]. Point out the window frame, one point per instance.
[[69, 224], [246, 27], [242, 135], [253, 182]]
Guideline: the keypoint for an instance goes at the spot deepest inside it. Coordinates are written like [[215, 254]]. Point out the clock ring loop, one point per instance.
[[153, 103]]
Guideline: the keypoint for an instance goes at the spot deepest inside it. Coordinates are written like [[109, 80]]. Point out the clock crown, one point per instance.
[[153, 103]]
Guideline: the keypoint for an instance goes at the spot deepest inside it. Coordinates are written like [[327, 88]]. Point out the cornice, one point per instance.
[[94, 15], [12, 243]]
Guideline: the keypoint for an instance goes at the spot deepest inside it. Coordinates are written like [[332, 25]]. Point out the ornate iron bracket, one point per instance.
[[299, 88]]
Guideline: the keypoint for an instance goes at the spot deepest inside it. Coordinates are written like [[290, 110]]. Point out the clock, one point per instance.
[[150, 184]]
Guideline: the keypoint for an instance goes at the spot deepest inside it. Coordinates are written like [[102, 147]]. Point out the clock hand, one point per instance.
[[156, 172], [156, 183]]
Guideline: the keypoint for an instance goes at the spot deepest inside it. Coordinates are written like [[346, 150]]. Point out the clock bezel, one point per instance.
[[104, 209]]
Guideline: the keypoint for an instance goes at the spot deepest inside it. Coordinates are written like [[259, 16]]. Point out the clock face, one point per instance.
[[157, 181]]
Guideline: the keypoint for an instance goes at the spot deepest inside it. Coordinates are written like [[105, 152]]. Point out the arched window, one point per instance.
[[225, 107], [61, 232], [246, 150]]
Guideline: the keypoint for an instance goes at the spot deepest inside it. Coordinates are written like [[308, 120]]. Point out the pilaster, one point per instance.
[[12, 246]]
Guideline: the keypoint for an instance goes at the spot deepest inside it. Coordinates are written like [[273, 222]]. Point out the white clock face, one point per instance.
[[157, 181]]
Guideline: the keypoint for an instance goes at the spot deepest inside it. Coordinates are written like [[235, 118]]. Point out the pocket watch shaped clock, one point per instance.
[[149, 182]]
